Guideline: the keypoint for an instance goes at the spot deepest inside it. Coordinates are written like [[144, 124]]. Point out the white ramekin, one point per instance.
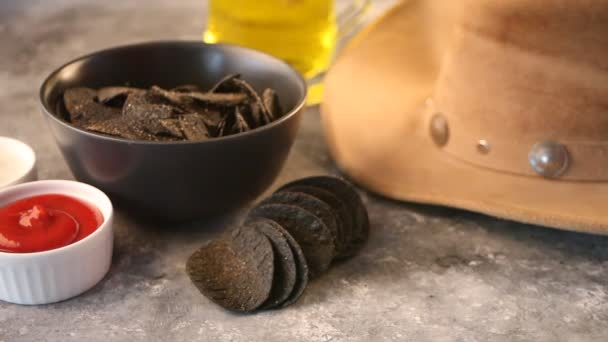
[[62, 273], [25, 170]]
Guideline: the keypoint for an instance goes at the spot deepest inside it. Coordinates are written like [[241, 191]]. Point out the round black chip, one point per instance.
[[284, 262], [313, 236], [311, 204], [301, 267], [346, 192], [344, 217], [235, 271]]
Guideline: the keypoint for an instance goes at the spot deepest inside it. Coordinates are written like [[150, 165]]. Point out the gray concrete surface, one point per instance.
[[427, 274]]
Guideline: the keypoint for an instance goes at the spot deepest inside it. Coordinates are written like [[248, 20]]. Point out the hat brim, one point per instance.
[[375, 124]]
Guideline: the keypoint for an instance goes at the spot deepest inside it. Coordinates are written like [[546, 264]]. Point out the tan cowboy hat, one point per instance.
[[499, 107]]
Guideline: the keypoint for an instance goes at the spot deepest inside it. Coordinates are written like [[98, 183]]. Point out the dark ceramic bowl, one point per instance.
[[177, 180]]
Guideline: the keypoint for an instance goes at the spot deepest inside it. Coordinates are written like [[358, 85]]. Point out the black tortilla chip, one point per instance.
[[211, 116], [157, 94], [347, 193], [186, 88], [284, 262], [271, 101], [255, 98], [240, 124], [173, 127], [311, 204], [123, 128], [251, 113], [145, 113], [254, 111], [234, 84], [186, 99], [194, 127], [76, 98], [345, 218], [115, 96], [143, 107], [226, 85], [225, 126], [115, 127], [235, 271], [83, 108], [217, 99], [222, 128], [309, 231]]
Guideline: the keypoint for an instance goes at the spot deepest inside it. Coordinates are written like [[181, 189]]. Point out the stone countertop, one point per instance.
[[427, 273]]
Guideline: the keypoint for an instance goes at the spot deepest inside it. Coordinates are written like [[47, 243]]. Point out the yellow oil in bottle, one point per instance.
[[301, 32]]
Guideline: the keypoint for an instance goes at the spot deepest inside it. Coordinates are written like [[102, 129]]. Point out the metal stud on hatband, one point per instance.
[[483, 146], [439, 129], [549, 159]]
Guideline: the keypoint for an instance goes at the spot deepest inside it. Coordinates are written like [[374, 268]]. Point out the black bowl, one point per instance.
[[177, 180]]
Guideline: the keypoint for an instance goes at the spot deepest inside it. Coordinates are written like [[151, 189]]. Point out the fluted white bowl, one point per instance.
[[62, 273]]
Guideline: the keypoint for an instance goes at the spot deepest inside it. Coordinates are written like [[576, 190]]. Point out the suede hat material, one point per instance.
[[499, 107]]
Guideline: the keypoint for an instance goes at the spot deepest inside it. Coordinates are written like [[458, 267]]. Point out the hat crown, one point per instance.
[[521, 72], [569, 29]]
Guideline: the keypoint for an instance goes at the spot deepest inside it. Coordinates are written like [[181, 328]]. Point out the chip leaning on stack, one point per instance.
[[291, 236]]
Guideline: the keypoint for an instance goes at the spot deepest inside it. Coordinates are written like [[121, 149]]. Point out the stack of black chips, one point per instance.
[[290, 237]]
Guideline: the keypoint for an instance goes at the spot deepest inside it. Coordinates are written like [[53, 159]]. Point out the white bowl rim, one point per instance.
[[104, 205], [24, 150]]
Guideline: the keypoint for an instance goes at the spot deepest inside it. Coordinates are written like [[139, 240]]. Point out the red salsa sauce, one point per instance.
[[45, 222]]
